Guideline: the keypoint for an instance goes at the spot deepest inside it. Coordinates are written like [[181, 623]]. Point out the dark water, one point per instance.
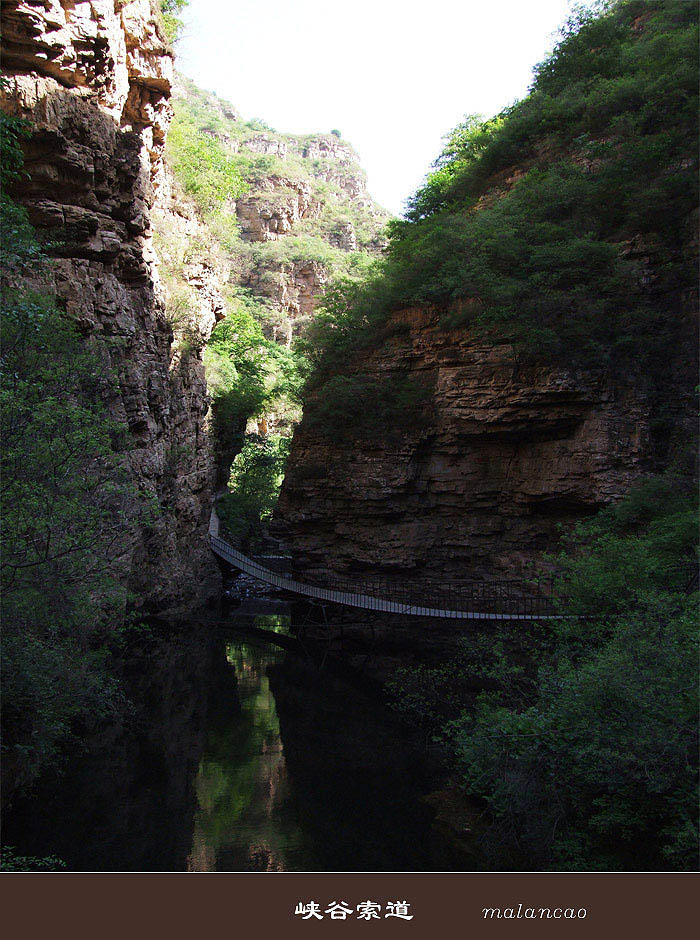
[[240, 756]]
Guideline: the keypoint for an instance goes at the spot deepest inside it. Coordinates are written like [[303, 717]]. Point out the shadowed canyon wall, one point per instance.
[[94, 81], [499, 455], [527, 350]]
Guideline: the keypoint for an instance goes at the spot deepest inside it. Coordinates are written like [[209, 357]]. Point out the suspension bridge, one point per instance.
[[456, 600]]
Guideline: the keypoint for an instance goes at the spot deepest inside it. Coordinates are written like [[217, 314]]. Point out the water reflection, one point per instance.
[[242, 783], [307, 773], [238, 755], [126, 799]]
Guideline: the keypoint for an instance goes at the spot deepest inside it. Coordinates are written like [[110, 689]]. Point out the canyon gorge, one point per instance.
[[459, 395]]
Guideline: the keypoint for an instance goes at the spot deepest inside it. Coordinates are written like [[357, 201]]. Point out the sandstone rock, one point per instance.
[[293, 288], [266, 145], [264, 217], [328, 147]]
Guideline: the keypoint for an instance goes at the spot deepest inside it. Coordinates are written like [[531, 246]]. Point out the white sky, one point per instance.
[[393, 76]]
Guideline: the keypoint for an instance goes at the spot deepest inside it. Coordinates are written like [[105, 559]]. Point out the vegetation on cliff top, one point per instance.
[[170, 11], [268, 163], [565, 223]]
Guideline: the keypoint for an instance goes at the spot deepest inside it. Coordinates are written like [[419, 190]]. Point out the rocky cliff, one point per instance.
[[498, 455], [528, 349], [94, 81], [305, 216]]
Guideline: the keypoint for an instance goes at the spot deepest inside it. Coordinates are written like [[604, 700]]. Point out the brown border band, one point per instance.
[[118, 906]]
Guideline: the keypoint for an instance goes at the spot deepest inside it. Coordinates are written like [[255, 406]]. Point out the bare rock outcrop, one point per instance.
[[94, 79], [274, 210], [266, 145], [293, 288]]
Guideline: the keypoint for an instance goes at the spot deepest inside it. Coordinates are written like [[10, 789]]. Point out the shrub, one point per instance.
[[368, 403], [10, 861], [234, 360], [585, 754], [256, 477], [202, 165], [172, 23]]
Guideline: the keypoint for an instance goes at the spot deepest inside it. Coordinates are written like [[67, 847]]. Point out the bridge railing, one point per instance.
[[512, 596], [496, 598]]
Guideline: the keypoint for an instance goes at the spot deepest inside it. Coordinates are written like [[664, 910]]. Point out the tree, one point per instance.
[[172, 23], [584, 755], [66, 505]]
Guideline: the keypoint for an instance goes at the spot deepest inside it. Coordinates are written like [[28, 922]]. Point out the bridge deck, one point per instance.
[[517, 608]]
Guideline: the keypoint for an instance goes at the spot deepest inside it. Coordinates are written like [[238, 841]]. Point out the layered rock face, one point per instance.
[[280, 206], [94, 79], [476, 487], [306, 209], [274, 211]]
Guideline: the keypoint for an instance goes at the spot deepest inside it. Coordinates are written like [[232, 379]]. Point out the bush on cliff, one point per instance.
[[202, 165], [368, 404], [170, 11], [236, 370], [256, 477]]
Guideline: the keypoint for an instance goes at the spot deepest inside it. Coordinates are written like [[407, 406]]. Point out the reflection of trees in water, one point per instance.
[[127, 801], [309, 773], [242, 780]]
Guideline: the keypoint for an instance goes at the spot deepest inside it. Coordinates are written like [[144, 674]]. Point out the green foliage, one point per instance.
[[581, 256], [294, 249], [647, 543], [256, 477], [368, 403], [256, 124], [10, 861], [586, 754], [351, 317], [202, 165], [12, 130], [21, 248], [494, 657], [66, 505], [247, 372], [172, 23], [236, 372]]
